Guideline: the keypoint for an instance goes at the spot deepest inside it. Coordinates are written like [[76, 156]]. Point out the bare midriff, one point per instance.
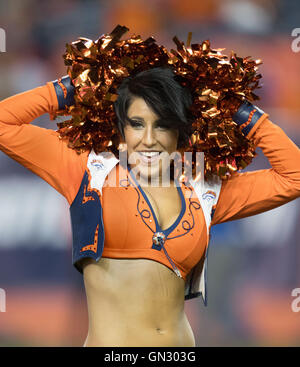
[[135, 303]]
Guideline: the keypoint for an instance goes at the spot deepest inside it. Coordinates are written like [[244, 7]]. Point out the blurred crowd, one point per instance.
[[253, 263]]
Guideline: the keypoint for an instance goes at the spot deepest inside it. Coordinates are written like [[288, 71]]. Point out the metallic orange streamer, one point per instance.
[[218, 84]]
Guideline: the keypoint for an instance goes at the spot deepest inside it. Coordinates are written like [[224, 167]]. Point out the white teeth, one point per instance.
[[149, 154]]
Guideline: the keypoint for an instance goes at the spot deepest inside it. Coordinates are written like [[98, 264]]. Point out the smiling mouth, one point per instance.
[[149, 157]]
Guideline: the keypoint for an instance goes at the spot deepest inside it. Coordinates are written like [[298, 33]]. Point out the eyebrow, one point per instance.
[[142, 119], [136, 117]]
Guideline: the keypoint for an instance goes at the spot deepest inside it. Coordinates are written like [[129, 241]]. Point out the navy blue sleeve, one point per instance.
[[247, 116], [64, 90]]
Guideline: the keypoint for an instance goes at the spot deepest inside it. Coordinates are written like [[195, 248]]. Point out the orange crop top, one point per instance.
[[129, 228]]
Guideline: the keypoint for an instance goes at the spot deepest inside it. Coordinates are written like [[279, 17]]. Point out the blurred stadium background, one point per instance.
[[254, 263]]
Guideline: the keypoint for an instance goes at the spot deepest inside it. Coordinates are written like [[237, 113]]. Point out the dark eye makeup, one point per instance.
[[159, 123], [134, 123]]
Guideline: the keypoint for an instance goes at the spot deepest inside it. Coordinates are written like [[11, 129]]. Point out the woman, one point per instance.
[[142, 249]]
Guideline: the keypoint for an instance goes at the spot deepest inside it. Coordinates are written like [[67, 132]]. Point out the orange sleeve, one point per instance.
[[36, 148], [250, 193]]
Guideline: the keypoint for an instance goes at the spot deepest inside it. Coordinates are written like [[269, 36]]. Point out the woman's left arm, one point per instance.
[[250, 193]]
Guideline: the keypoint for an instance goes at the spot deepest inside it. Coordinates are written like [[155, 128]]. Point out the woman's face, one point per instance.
[[149, 143]]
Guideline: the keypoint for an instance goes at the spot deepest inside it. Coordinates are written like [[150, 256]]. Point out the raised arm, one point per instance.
[[250, 193], [39, 149]]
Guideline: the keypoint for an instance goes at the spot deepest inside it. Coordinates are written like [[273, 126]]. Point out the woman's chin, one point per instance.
[[154, 177], [150, 175]]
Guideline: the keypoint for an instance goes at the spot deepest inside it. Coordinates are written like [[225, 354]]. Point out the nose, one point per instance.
[[149, 138]]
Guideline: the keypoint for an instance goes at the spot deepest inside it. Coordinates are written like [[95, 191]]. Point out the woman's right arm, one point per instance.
[[39, 149]]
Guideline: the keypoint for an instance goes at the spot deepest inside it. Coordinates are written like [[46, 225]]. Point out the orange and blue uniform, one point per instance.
[[117, 221]]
